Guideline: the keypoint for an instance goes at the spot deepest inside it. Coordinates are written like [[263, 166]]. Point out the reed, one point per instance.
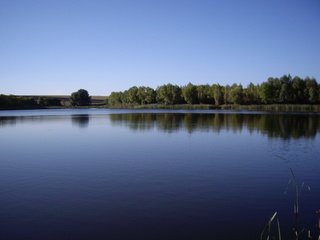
[[266, 232], [297, 193], [297, 232]]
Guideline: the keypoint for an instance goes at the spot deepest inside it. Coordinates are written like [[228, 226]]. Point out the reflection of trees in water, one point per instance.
[[80, 120], [289, 126], [284, 126], [134, 121], [36, 119], [4, 121]]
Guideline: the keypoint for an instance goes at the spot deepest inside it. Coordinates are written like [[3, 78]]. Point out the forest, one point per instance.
[[283, 90]]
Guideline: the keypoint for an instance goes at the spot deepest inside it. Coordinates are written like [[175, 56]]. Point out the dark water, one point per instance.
[[102, 174]]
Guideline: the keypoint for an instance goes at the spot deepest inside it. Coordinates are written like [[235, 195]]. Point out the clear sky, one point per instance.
[[59, 46]]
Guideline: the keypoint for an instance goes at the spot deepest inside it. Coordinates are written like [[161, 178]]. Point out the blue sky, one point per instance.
[[57, 47]]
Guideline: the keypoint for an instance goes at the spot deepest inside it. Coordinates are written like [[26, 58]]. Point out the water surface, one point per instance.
[[125, 174]]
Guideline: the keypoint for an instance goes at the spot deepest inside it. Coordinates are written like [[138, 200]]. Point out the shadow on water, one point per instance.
[[81, 121], [284, 126]]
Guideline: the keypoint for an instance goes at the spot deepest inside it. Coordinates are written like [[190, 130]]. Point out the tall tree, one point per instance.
[[190, 94], [311, 91], [169, 94], [226, 94], [251, 94], [217, 91], [298, 90], [80, 98], [146, 95], [204, 94], [285, 94], [114, 99], [236, 94], [133, 97], [269, 90]]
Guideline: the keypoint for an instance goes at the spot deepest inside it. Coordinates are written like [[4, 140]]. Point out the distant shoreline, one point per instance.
[[306, 108]]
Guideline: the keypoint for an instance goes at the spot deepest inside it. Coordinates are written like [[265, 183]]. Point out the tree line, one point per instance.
[[11, 101], [283, 90], [78, 98]]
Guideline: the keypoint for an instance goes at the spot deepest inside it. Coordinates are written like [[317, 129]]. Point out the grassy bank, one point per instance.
[[304, 108], [270, 107], [163, 106], [276, 107]]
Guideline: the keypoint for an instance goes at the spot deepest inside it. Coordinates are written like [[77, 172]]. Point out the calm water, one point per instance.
[[111, 174]]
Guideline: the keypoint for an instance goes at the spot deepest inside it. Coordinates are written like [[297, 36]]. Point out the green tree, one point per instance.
[[114, 99], [269, 91], [48, 101], [217, 91], [124, 99], [146, 95], [169, 94], [190, 94], [133, 97], [204, 94], [80, 98], [298, 90], [251, 94], [285, 94], [11, 101], [236, 94], [226, 94], [311, 91]]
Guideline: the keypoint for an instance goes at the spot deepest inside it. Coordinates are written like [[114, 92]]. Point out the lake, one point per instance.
[[153, 174]]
